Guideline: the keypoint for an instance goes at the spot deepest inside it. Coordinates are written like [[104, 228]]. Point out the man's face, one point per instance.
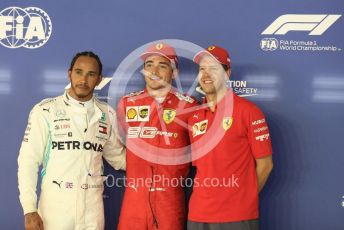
[[84, 77], [158, 72], [212, 76]]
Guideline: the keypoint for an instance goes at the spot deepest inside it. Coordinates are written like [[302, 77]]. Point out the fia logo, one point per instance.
[[29, 27], [269, 44]]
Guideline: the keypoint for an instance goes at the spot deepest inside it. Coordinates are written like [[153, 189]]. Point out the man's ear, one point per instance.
[[228, 73], [70, 75], [100, 78], [175, 73]]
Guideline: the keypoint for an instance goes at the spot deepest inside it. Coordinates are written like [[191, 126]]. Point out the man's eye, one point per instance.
[[163, 66]]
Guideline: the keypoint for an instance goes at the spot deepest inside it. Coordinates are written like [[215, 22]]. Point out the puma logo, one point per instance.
[[59, 184]]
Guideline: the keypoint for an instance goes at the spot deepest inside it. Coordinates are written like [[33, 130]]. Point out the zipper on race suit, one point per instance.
[[149, 200]]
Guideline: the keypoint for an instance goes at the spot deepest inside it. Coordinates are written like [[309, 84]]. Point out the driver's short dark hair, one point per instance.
[[87, 54], [225, 67]]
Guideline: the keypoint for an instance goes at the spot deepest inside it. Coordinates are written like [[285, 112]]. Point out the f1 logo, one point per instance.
[[317, 24]]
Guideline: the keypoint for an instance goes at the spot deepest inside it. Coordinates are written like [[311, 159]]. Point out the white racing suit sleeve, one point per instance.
[[31, 155], [114, 150]]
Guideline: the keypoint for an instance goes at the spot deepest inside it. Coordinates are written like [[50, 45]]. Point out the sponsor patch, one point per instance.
[[263, 137], [103, 117], [102, 129], [137, 113], [260, 129], [257, 122], [143, 113], [148, 132], [68, 185], [62, 126], [131, 113], [60, 113], [134, 94], [199, 128], [184, 98]]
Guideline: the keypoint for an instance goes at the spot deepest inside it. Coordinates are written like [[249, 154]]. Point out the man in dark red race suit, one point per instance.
[[236, 162], [154, 122]]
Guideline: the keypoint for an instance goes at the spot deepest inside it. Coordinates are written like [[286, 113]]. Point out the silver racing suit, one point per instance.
[[69, 146]]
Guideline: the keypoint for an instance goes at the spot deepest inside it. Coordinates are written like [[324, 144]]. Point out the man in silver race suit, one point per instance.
[[68, 135]]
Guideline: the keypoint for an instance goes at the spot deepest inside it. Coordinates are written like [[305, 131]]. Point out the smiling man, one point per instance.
[[240, 161], [68, 136], [152, 122]]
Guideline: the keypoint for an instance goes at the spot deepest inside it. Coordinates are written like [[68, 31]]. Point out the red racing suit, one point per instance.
[[154, 197]]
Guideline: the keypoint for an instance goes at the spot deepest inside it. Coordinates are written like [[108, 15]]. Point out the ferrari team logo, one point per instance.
[[227, 123], [159, 46], [169, 115], [210, 48]]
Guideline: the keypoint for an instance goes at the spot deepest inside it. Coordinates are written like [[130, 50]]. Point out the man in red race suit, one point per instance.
[[154, 122], [232, 172]]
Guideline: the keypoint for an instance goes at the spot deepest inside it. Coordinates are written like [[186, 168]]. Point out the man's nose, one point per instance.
[[155, 70], [204, 73], [84, 77]]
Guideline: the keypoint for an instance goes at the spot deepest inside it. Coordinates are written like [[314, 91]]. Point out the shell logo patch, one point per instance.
[[169, 115], [227, 123], [137, 113], [131, 113]]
